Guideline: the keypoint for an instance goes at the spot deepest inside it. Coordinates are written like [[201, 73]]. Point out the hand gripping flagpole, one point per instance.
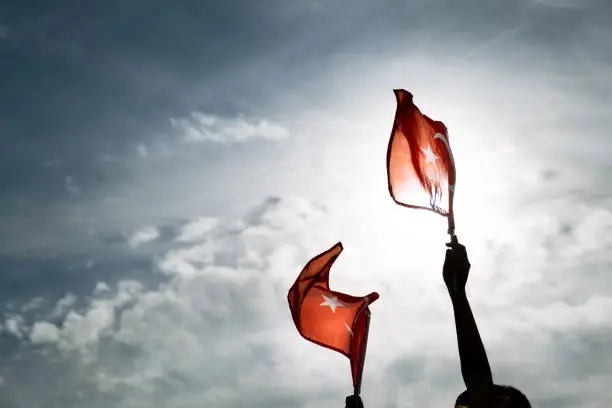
[[452, 182]]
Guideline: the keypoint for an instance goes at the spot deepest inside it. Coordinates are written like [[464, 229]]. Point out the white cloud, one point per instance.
[[200, 127], [101, 288], [186, 261], [197, 229], [44, 332], [217, 333], [15, 326], [71, 186], [208, 326], [80, 331], [64, 305], [143, 236], [32, 304], [218, 330], [142, 150]]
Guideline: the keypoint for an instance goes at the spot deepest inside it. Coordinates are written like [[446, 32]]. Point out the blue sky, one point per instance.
[[168, 167]]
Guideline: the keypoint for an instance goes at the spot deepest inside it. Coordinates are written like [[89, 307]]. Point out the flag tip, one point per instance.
[[401, 90], [402, 95], [372, 297]]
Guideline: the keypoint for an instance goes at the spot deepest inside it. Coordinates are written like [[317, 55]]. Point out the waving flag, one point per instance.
[[328, 318], [420, 164]]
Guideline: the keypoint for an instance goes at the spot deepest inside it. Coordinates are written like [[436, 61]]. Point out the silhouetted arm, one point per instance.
[[475, 367]]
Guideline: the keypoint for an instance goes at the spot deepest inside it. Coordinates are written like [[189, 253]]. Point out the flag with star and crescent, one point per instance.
[[328, 318], [420, 164]]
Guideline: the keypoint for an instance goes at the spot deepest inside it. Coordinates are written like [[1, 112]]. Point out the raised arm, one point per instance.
[[475, 367]]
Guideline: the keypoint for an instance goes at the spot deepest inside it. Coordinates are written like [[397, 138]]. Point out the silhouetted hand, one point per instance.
[[456, 267], [354, 401]]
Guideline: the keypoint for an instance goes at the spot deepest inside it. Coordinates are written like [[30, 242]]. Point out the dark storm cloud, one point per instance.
[[88, 83]]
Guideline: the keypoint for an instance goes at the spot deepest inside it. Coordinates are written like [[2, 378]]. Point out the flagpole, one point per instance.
[[357, 386], [451, 197], [452, 182]]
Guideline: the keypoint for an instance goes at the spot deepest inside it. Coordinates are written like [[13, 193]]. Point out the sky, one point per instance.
[[167, 169]]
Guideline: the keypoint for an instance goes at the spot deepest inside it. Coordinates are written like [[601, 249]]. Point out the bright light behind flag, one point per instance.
[[420, 165]]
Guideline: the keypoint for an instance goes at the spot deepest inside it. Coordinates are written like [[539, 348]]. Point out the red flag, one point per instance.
[[328, 318], [420, 164]]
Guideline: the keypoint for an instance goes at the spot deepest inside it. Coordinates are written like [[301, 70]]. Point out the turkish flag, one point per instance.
[[420, 164], [328, 318]]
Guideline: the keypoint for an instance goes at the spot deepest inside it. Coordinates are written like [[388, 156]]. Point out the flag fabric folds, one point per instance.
[[420, 164], [328, 318]]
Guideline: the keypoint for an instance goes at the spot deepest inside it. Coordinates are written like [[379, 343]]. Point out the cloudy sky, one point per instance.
[[167, 168]]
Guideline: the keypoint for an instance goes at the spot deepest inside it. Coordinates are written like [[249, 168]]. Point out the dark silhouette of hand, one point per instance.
[[354, 401], [456, 267]]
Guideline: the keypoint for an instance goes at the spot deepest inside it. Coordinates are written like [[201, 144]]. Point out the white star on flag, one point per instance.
[[332, 302], [430, 156]]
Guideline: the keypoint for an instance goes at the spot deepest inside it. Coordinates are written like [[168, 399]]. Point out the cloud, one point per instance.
[[32, 305], [216, 331], [15, 326], [44, 332], [199, 317], [142, 150], [81, 330], [197, 229], [64, 305], [143, 236], [203, 336], [200, 127], [71, 186], [101, 288]]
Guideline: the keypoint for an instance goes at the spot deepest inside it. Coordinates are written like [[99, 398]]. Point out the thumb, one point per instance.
[[449, 252], [454, 242]]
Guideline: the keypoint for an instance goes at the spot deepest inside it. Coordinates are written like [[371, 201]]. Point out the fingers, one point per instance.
[[455, 250], [456, 246], [454, 243]]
